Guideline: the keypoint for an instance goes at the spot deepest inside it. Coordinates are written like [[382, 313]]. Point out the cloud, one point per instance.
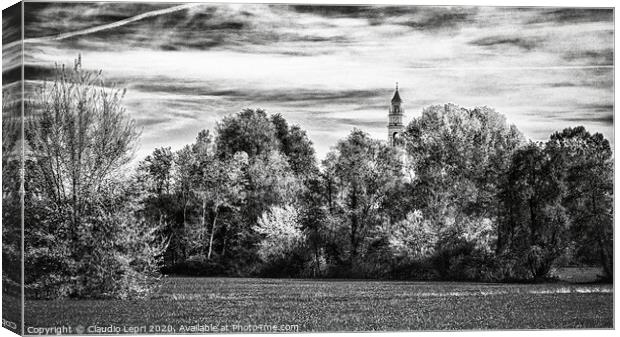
[[421, 18], [11, 24], [302, 96], [506, 41], [332, 68], [42, 18], [573, 15], [437, 18], [607, 119], [602, 56]]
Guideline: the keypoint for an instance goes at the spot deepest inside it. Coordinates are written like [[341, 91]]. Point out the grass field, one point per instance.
[[332, 305]]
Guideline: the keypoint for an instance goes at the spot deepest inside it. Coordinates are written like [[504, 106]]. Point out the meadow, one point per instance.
[[183, 304]]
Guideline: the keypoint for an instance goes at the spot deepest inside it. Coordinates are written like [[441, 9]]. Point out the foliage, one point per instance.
[[85, 237], [249, 131], [534, 221], [296, 146], [413, 238], [155, 174], [463, 199], [588, 167], [11, 186], [281, 233], [159, 168], [361, 173], [218, 184], [81, 136], [314, 218], [459, 157]]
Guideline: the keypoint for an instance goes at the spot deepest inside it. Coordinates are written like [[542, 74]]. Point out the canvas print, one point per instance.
[[176, 168]]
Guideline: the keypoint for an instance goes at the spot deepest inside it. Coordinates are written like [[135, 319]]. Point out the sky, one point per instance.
[[332, 69]]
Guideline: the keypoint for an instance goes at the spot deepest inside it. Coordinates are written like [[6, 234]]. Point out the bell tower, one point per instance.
[[395, 119]]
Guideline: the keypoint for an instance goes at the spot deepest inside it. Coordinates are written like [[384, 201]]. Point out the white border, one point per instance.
[[519, 3]]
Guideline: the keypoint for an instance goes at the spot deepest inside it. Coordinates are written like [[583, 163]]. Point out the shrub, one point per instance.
[[282, 248], [465, 252], [413, 238], [281, 233]]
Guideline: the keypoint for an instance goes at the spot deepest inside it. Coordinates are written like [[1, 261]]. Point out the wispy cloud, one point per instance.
[[333, 68], [112, 25]]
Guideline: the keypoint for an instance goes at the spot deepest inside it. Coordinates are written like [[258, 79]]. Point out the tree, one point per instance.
[[269, 180], [159, 166], [161, 205], [248, 131], [361, 171], [219, 185], [314, 219], [82, 217], [588, 165], [11, 196], [413, 238], [459, 157], [82, 135], [281, 232], [185, 164], [533, 222], [296, 146]]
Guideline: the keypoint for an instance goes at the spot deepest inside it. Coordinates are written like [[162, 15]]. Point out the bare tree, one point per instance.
[[80, 135]]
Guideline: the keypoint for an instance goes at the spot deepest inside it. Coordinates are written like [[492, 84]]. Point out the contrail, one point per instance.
[[106, 26]]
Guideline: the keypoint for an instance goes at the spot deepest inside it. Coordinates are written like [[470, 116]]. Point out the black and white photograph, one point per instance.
[[197, 168]]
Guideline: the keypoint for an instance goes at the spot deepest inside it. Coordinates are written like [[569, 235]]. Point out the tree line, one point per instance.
[[465, 197]]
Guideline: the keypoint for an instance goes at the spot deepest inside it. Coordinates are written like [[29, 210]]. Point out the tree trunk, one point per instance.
[[185, 202], [606, 258], [318, 261], [212, 234], [533, 221], [202, 220], [223, 247], [606, 261], [354, 225]]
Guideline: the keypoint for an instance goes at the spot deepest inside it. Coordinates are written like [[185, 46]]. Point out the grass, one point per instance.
[[347, 305]]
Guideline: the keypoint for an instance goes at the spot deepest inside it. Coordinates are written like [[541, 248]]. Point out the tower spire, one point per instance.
[[395, 119], [396, 97]]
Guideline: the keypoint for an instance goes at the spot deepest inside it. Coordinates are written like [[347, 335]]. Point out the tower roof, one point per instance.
[[396, 98]]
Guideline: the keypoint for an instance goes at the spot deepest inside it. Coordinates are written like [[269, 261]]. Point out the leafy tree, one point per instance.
[[269, 182], [249, 131], [587, 161], [281, 232], [11, 196], [314, 217], [219, 185], [361, 171], [159, 167], [83, 229], [534, 222], [121, 251], [183, 176], [264, 180], [413, 238], [161, 205], [82, 135], [459, 157], [296, 146]]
